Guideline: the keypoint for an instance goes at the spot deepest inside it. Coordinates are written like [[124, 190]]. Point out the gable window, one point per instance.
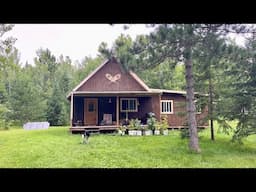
[[129, 105], [167, 106]]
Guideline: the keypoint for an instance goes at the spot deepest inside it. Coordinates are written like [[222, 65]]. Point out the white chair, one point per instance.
[[107, 118]]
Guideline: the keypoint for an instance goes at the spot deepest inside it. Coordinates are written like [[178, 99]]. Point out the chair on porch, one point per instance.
[[107, 119]]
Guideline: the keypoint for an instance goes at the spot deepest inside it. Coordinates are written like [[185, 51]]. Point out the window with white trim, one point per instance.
[[129, 105], [166, 106]]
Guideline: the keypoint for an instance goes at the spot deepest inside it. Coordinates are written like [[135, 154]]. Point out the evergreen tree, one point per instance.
[[178, 42], [243, 106], [25, 101], [208, 59], [55, 108]]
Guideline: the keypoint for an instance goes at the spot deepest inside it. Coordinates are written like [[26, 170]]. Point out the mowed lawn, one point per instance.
[[57, 148]]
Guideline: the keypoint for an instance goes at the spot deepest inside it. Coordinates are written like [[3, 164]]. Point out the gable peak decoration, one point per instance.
[[113, 75], [114, 78]]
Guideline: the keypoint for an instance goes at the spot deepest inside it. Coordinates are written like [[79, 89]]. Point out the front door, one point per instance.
[[91, 111]]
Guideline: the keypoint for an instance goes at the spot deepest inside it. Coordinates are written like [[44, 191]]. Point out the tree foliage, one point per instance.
[[242, 90], [195, 57]]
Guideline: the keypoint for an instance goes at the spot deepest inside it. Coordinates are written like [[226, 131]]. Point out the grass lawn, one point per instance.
[[57, 148]]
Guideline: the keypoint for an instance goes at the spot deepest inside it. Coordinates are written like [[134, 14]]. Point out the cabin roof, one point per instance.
[[146, 91], [168, 91], [133, 75]]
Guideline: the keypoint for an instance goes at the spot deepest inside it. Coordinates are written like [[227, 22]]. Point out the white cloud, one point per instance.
[[73, 40]]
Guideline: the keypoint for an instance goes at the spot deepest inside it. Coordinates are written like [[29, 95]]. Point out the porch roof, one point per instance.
[[168, 91], [115, 93], [130, 93]]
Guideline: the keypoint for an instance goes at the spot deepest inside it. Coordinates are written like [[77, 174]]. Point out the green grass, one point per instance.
[[57, 148]]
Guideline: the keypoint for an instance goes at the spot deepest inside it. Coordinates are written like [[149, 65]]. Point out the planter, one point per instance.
[[165, 132], [135, 132], [147, 132], [131, 132], [157, 132], [139, 132]]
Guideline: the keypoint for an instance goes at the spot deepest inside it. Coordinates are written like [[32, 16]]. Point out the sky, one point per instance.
[[73, 40]]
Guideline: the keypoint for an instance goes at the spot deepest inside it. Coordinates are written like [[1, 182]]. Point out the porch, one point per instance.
[[96, 128], [108, 112]]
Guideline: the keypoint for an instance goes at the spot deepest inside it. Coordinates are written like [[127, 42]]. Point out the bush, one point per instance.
[[151, 122], [164, 123], [135, 124], [184, 133], [5, 122]]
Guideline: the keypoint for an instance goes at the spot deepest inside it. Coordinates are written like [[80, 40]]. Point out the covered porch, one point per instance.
[[103, 112]]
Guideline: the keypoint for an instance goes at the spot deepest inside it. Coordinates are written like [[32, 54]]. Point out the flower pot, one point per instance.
[[138, 132], [148, 132], [132, 132], [157, 132], [165, 132]]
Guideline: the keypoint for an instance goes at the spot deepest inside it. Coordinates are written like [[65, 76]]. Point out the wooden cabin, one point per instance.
[[109, 96]]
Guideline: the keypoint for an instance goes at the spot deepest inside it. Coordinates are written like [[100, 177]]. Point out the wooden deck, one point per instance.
[[105, 128], [94, 128]]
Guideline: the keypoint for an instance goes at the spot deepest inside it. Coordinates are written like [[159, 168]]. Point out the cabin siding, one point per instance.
[[156, 106], [179, 118], [144, 107], [109, 84], [99, 82]]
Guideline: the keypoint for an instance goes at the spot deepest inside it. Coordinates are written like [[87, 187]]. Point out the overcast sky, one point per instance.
[[73, 40]]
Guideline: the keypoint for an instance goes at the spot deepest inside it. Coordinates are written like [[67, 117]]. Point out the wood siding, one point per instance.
[[99, 81], [179, 118], [156, 106], [144, 107]]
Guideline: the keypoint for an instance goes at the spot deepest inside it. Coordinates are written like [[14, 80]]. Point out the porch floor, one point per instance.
[[94, 128]]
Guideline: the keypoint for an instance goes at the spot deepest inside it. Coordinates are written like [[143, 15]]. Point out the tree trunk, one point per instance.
[[191, 109], [211, 108]]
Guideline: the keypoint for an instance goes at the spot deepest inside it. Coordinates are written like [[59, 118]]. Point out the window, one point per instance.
[[167, 106], [90, 107], [129, 105]]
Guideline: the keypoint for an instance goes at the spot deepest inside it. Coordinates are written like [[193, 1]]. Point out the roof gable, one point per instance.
[[110, 77]]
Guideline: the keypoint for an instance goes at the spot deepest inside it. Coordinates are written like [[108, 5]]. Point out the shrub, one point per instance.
[[163, 125], [184, 133], [135, 124], [5, 122], [151, 121]]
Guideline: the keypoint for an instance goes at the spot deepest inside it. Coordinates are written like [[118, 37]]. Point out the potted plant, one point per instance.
[[134, 127], [148, 132], [164, 125], [158, 127], [138, 127], [151, 122], [122, 129]]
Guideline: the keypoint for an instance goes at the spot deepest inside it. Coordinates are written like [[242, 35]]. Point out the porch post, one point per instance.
[[71, 110], [117, 110]]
